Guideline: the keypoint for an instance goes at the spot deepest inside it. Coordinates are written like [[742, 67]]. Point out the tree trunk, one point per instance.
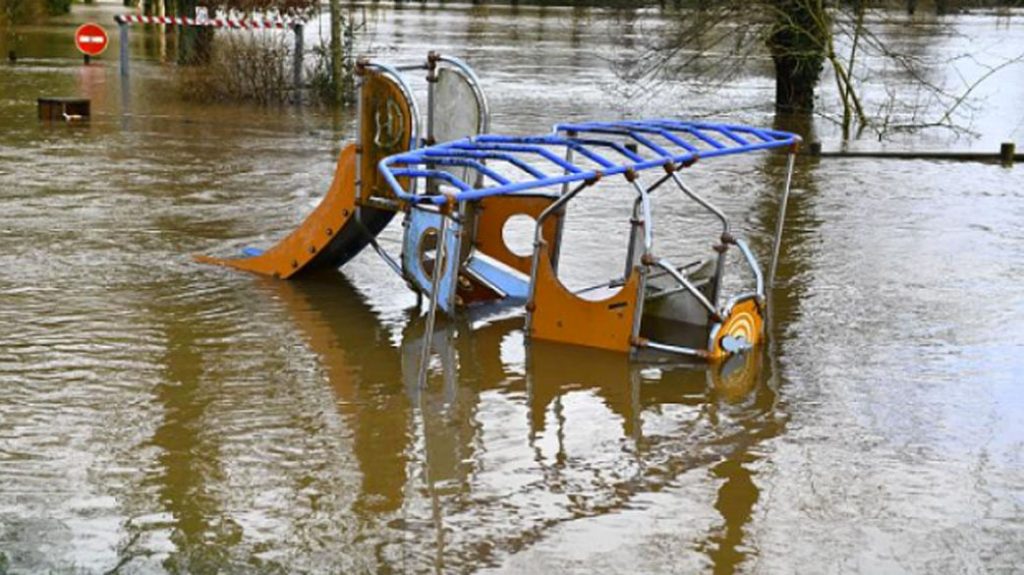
[[337, 53], [798, 46], [195, 43], [794, 89]]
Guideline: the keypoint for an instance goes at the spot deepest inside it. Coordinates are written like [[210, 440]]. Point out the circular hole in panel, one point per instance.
[[428, 251], [518, 234]]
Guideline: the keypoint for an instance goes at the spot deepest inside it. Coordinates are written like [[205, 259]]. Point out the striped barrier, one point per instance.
[[254, 24], [296, 26]]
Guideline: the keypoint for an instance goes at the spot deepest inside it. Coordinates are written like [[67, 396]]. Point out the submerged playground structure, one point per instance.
[[456, 186]]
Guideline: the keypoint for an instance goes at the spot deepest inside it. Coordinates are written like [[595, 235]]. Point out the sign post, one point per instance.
[[123, 30], [91, 40]]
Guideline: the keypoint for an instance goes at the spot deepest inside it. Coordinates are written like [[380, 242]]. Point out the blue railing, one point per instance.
[[634, 144]]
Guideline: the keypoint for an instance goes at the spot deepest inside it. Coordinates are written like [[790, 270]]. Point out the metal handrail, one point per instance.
[[538, 240], [672, 271], [752, 262], [780, 223], [645, 209], [703, 202], [720, 261]]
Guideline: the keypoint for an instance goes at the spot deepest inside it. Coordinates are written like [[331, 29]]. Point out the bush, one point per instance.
[[58, 7], [243, 67], [322, 87], [14, 12]]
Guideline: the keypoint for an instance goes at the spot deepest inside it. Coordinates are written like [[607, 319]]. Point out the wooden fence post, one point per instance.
[[123, 29], [1007, 152]]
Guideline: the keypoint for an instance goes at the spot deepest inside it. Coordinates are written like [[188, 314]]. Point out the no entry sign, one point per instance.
[[90, 39]]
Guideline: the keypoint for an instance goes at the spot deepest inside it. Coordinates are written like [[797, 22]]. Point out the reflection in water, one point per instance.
[[362, 366], [464, 480], [187, 463], [739, 493]]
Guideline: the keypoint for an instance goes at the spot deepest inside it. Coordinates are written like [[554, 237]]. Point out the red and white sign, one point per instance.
[[91, 40]]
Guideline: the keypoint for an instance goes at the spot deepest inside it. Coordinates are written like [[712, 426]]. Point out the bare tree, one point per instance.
[[797, 36], [715, 40]]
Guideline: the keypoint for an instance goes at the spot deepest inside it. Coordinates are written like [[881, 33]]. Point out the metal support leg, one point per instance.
[[358, 136], [431, 95], [297, 62], [556, 250], [720, 261], [634, 238], [648, 224], [432, 187], [439, 261], [780, 224]]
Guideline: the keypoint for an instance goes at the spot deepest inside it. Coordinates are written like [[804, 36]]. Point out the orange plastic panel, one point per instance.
[[559, 315], [495, 211], [316, 233], [734, 378], [744, 321], [385, 128]]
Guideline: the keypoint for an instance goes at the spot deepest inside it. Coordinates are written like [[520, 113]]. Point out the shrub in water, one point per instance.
[[243, 67]]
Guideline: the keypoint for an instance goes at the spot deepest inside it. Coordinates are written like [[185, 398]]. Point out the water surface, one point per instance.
[[158, 415]]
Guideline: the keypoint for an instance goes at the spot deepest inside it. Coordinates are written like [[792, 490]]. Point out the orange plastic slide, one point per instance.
[[342, 225], [327, 238]]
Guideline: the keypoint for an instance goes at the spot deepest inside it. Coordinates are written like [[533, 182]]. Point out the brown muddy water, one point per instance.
[[158, 415]]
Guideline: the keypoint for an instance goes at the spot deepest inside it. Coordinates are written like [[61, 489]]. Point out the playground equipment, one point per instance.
[[457, 196], [355, 208]]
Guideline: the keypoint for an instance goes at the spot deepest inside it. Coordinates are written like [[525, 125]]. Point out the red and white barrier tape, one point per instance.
[[212, 22]]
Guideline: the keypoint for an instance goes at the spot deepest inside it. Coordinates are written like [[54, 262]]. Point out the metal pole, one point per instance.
[[539, 243], [754, 268], [556, 250], [696, 293], [645, 210], [645, 207], [431, 95], [431, 184], [720, 261], [631, 249], [297, 62], [123, 29], [435, 288], [780, 224]]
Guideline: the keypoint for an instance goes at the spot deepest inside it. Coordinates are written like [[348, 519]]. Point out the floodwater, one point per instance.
[[158, 415]]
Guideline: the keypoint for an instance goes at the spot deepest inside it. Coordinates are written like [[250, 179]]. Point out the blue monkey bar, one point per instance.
[[571, 153]]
